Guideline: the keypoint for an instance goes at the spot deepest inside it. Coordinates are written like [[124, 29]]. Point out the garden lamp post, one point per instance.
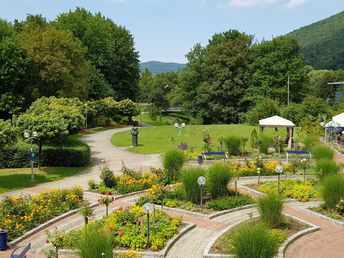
[[279, 170], [180, 128], [148, 209], [31, 136], [201, 182]]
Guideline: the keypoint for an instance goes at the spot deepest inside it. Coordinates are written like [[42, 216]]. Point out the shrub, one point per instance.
[[93, 246], [233, 144], [322, 152], [254, 241], [218, 177], [107, 176], [191, 188], [270, 209], [332, 190], [229, 202], [264, 144], [309, 142], [15, 156], [173, 163], [326, 167]]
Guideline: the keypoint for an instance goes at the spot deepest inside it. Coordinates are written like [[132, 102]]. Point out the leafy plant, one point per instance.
[[189, 179], [218, 178], [106, 176], [253, 240], [233, 144], [229, 202], [173, 163], [270, 209], [264, 144], [86, 211], [254, 139], [322, 152], [56, 239], [332, 190]]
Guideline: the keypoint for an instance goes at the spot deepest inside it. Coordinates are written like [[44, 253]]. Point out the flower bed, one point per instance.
[[21, 214], [128, 228], [288, 228], [297, 189], [337, 213], [250, 168], [172, 196]]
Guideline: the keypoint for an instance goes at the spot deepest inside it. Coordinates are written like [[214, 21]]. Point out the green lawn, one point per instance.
[[158, 139], [17, 178], [165, 119]]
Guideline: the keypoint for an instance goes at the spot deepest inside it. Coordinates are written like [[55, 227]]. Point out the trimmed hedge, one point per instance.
[[75, 155]]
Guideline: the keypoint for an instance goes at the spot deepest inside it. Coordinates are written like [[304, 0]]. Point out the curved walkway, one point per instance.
[[101, 149]]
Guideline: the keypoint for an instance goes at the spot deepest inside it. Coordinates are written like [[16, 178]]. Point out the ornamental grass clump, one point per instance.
[[218, 178], [233, 144], [322, 152], [173, 163], [270, 209], [325, 167], [332, 190], [264, 144], [189, 179], [95, 244], [253, 240]]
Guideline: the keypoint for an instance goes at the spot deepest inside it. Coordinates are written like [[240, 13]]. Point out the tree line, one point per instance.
[[79, 54], [235, 79]]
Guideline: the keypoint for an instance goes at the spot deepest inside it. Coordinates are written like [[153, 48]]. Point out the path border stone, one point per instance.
[[320, 215]]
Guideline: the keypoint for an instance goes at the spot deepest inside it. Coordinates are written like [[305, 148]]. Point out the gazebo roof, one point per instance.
[[339, 120], [275, 121]]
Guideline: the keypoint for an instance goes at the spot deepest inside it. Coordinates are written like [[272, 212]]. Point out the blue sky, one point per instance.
[[165, 30]]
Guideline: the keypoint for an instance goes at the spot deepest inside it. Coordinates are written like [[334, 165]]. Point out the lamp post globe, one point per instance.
[[279, 170], [201, 182], [148, 209]]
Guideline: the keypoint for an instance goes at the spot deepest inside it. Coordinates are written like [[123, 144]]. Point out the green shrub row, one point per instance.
[[76, 155]]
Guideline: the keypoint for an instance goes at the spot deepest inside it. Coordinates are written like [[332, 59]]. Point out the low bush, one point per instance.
[[189, 179], [252, 240], [218, 178], [326, 167], [233, 144], [17, 156], [264, 144], [270, 209], [322, 152], [332, 190], [107, 176], [173, 163], [229, 202]]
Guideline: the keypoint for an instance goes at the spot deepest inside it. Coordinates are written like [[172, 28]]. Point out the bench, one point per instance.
[[22, 254], [214, 153], [301, 154]]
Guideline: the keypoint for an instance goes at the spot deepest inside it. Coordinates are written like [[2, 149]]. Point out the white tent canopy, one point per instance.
[[275, 121], [338, 120]]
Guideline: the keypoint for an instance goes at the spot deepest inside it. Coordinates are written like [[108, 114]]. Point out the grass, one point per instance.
[[159, 139], [17, 178], [166, 118]]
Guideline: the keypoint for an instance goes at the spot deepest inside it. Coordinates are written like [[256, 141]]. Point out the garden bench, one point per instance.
[[214, 153], [301, 154], [22, 254]]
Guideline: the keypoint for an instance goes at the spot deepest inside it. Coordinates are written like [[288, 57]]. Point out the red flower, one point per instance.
[[47, 241], [121, 232], [110, 228]]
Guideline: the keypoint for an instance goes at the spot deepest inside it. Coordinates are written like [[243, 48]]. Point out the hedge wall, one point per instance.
[[73, 155]]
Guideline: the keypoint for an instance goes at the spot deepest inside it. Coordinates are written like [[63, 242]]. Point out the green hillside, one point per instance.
[[156, 67], [323, 42]]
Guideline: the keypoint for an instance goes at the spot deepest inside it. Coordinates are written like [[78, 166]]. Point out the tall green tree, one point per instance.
[[59, 58], [220, 96], [272, 62], [146, 86], [110, 48]]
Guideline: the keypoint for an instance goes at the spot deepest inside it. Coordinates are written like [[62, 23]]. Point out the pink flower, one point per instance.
[[110, 228], [121, 232]]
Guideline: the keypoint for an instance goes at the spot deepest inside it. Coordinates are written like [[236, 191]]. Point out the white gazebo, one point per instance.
[[277, 121]]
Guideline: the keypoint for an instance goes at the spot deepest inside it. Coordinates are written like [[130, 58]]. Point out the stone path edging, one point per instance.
[[312, 228], [45, 225], [162, 253], [334, 221]]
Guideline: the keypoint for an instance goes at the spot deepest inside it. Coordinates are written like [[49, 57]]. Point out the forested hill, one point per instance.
[[323, 42], [156, 67]]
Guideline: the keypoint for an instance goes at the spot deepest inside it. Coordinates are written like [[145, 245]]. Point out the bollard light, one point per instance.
[[279, 170], [148, 209], [201, 183], [31, 136]]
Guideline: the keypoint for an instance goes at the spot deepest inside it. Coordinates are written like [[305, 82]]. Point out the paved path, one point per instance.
[[101, 149]]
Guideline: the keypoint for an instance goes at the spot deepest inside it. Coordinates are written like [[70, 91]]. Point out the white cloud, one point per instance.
[[249, 3], [294, 3]]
